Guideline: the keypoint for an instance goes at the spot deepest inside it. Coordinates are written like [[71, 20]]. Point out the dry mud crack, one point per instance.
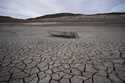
[[62, 61], [30, 55]]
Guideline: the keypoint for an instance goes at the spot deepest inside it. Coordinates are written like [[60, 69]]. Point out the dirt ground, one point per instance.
[[29, 54]]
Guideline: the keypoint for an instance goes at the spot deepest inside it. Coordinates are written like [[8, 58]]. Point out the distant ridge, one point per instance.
[[72, 14], [56, 15], [114, 17], [4, 19], [112, 13]]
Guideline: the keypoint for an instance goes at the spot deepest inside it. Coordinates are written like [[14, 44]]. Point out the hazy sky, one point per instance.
[[33, 8]]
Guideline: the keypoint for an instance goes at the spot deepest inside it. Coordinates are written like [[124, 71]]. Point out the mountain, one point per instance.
[[7, 19], [55, 16], [115, 17]]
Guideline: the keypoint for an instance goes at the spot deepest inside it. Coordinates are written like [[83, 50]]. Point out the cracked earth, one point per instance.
[[59, 60]]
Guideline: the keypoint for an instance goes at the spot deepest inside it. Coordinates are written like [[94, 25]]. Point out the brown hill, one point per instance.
[[69, 17], [7, 19]]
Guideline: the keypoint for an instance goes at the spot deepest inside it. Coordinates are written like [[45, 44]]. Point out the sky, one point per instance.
[[34, 8]]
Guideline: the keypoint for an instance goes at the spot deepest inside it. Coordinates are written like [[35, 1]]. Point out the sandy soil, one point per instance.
[[28, 54]]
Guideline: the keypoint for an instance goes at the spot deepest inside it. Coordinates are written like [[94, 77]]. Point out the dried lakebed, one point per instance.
[[29, 55]]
